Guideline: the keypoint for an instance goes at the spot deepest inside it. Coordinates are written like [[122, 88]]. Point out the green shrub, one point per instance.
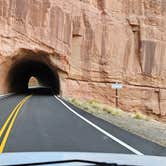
[[75, 102], [113, 111], [85, 106], [93, 101], [139, 115], [95, 106]]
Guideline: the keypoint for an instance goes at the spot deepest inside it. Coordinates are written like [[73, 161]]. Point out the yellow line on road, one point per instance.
[[14, 115], [8, 120]]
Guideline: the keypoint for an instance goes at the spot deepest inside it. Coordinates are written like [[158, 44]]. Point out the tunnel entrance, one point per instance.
[[21, 72]]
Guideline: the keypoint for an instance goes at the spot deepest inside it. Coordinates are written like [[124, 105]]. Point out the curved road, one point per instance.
[[43, 122]]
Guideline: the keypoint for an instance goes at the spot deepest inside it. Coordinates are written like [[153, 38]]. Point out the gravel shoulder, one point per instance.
[[136, 123]]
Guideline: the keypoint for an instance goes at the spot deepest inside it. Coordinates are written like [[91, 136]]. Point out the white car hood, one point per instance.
[[35, 157]]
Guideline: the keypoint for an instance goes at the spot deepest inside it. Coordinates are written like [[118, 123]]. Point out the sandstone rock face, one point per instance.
[[92, 44]]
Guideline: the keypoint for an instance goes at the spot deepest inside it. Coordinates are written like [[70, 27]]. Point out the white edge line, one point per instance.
[[4, 95], [35, 86], [101, 130]]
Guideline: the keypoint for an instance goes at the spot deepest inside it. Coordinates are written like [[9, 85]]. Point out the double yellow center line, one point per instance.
[[10, 121]]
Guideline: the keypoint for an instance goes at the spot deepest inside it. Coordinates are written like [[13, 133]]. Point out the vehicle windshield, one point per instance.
[[83, 77]]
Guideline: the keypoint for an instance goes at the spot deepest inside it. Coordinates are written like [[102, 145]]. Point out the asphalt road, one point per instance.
[[43, 122]]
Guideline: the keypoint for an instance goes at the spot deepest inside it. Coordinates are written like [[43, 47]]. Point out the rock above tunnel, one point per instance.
[[91, 44]]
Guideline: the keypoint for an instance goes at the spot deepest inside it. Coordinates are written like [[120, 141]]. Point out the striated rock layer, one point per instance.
[[91, 44]]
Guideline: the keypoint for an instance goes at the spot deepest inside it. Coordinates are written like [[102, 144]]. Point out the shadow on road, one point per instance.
[[39, 91]]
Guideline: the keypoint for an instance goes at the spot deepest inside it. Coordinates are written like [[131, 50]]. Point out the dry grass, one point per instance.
[[139, 116], [113, 111], [94, 106]]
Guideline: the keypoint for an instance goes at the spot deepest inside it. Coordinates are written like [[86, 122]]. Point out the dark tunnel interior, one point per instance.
[[22, 71]]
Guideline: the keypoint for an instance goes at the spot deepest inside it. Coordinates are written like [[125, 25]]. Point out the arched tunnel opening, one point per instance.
[[21, 72]]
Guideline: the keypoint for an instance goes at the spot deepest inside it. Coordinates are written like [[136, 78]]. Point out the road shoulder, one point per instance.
[[147, 128]]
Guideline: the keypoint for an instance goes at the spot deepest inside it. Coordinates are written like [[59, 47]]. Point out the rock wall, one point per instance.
[[94, 43]]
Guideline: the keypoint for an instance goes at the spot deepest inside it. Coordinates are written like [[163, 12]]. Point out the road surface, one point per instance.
[[44, 122]]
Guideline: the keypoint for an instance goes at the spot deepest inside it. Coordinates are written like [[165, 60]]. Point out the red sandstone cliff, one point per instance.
[[92, 43]]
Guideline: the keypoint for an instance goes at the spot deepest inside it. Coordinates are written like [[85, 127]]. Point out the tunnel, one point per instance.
[[21, 72]]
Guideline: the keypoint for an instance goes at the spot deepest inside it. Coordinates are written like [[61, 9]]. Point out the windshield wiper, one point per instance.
[[96, 163]]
